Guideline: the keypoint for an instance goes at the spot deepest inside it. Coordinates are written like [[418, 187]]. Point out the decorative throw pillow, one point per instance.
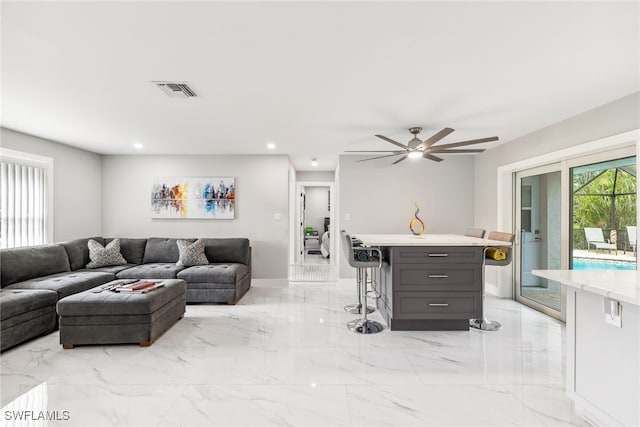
[[191, 253], [105, 256]]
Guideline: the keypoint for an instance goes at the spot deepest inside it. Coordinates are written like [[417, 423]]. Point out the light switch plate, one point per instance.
[[277, 217]]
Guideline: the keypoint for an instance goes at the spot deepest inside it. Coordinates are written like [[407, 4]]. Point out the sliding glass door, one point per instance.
[[538, 227], [580, 214]]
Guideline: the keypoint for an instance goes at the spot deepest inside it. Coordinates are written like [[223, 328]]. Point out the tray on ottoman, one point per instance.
[[101, 316]]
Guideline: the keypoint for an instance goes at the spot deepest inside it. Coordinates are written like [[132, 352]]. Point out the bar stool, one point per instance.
[[355, 308], [362, 258], [474, 232], [483, 323]]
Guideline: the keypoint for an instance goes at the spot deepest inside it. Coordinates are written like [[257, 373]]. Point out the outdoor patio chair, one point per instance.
[[595, 237], [631, 232]]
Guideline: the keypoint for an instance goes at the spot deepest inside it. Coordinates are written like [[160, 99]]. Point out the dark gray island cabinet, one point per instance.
[[427, 284]]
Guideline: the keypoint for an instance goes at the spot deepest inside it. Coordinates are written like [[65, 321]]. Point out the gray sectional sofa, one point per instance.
[[33, 279]]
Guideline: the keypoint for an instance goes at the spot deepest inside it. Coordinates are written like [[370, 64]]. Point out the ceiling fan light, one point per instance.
[[415, 155]]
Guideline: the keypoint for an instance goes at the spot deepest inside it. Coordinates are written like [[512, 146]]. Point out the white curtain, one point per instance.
[[22, 205]]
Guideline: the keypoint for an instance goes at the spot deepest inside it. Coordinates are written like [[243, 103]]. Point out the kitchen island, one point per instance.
[[429, 282], [603, 343]]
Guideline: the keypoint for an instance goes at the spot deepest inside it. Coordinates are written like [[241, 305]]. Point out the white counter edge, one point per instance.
[[616, 284]]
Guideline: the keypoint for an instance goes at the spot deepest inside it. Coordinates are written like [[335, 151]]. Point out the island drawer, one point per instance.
[[437, 305], [438, 254], [438, 277]]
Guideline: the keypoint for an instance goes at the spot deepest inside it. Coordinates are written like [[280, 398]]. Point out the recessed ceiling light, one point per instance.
[[314, 161], [137, 146], [271, 146]]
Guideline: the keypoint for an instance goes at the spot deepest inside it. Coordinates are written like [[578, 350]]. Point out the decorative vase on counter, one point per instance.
[[416, 225]]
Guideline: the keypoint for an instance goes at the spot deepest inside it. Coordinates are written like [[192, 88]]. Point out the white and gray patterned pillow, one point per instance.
[[105, 256], [191, 253]]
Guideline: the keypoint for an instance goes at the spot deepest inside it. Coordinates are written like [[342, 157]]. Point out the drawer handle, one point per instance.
[[438, 276], [438, 255], [438, 305]]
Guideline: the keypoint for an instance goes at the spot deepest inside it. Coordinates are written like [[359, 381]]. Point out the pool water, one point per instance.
[[601, 264]]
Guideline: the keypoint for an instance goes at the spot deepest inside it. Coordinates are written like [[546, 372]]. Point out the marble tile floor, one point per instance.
[[284, 357]]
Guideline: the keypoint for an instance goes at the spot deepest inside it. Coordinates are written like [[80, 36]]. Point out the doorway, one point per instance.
[[539, 227], [314, 258]]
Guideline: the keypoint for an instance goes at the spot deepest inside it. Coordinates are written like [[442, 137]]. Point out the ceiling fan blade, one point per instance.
[[373, 151], [435, 138], [379, 157], [392, 141], [432, 157], [471, 141], [400, 159], [446, 151]]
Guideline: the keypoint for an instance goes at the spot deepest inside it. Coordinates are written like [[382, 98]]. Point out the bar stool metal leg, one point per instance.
[[484, 324], [357, 308], [364, 325]]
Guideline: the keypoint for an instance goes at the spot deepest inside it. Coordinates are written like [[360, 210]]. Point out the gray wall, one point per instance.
[[616, 117], [316, 208], [320, 176], [261, 191], [379, 197], [77, 183]]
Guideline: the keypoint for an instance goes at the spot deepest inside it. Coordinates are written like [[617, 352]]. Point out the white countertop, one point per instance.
[[425, 240], [622, 285]]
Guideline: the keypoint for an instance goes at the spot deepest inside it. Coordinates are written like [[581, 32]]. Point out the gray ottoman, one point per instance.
[[26, 314], [99, 316]]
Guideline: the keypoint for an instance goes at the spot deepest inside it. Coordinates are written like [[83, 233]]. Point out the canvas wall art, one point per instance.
[[201, 198]]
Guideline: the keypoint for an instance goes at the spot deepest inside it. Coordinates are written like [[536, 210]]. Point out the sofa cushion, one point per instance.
[[14, 302], [191, 253], [66, 284], [105, 256], [131, 249], [227, 250], [19, 264], [78, 251], [162, 250], [151, 271], [27, 325], [113, 269], [214, 273]]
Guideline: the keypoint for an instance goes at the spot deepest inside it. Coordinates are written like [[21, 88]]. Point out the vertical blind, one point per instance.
[[22, 205]]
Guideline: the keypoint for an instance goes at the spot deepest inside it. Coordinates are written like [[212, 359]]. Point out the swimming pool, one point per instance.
[[601, 264]]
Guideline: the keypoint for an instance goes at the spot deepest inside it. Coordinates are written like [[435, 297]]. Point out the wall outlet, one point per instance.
[[277, 217], [347, 217], [612, 312]]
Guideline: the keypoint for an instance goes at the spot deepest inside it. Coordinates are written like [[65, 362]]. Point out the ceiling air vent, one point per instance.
[[176, 89]]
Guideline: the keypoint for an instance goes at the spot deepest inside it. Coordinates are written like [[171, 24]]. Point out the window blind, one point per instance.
[[22, 205]]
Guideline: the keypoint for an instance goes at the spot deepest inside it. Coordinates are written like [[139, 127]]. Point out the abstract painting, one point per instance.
[[201, 198]]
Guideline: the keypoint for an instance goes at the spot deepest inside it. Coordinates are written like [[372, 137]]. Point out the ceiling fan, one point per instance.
[[427, 148]]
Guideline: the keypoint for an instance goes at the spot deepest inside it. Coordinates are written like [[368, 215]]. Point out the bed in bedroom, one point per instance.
[[325, 245]]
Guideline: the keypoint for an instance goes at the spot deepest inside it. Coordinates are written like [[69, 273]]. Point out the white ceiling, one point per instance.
[[316, 78]]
